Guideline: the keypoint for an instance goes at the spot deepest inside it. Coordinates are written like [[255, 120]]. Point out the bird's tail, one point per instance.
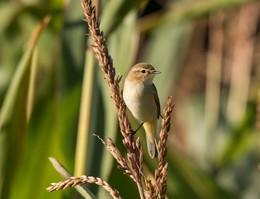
[[152, 149], [150, 130]]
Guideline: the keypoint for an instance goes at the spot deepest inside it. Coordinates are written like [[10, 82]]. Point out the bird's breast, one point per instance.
[[140, 101]]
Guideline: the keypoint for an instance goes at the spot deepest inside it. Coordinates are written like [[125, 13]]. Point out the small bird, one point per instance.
[[141, 98]]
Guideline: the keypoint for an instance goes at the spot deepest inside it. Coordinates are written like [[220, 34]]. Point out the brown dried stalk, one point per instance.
[[140, 155], [162, 170], [74, 181], [150, 192], [112, 148], [106, 64]]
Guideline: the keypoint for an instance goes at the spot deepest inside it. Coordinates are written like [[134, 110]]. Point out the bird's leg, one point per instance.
[[134, 132]]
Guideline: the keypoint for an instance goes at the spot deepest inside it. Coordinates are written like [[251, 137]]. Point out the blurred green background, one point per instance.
[[53, 96]]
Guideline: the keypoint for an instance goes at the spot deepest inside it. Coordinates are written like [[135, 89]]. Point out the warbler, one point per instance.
[[141, 98]]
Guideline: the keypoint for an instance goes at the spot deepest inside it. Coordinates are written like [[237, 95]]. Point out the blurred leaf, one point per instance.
[[191, 182], [241, 140], [50, 132], [74, 58], [8, 11], [35, 172], [183, 11], [85, 192], [13, 113], [114, 13], [85, 117], [73, 45], [165, 52]]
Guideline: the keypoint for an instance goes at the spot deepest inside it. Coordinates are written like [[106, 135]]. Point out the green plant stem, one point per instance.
[[85, 115], [31, 90]]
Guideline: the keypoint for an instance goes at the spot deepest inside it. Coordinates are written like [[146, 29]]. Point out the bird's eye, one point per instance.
[[143, 71]]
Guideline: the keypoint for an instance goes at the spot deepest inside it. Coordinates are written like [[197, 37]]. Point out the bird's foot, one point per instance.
[[132, 133]]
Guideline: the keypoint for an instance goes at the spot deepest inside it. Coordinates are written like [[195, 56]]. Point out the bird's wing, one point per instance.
[[157, 101]]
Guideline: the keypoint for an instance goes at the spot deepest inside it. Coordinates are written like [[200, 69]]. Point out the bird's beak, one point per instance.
[[155, 72]]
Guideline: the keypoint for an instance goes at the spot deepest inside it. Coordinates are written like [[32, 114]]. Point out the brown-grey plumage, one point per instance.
[[157, 101]]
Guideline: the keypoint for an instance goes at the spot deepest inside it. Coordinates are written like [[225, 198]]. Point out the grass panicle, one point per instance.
[[74, 181], [161, 171], [106, 64]]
